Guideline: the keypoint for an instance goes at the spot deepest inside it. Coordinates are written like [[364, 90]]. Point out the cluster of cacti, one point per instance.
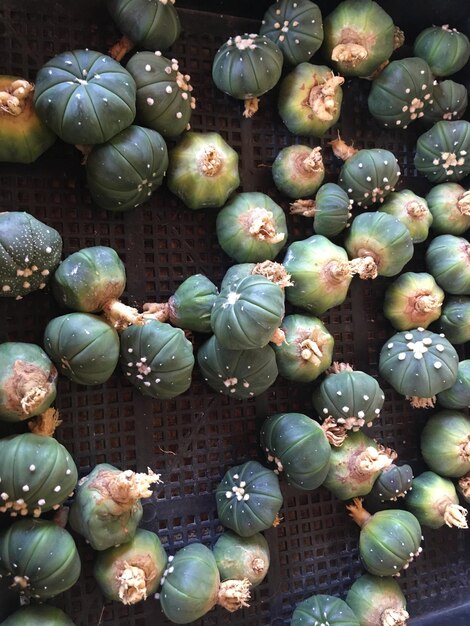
[[262, 321]]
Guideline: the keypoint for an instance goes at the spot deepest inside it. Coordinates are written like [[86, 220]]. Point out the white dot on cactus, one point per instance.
[[41, 502], [25, 488], [325, 411], [401, 356], [32, 468], [57, 488], [360, 414], [345, 409], [365, 397]]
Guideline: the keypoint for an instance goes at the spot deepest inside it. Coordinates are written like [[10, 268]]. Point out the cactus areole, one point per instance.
[[443, 152], [419, 364], [23, 136]]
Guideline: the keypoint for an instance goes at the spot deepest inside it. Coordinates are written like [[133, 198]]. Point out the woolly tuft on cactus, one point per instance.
[[107, 508]]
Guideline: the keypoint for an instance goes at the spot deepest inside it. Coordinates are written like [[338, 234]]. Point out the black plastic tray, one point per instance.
[[194, 438]]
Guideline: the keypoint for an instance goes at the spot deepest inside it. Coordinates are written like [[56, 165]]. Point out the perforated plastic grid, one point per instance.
[[194, 438]]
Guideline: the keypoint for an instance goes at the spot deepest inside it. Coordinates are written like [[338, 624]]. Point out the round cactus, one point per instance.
[[189, 307], [355, 465], [455, 319], [298, 170], [379, 244], [163, 102], [248, 498], [434, 502], [37, 474], [457, 396], [238, 373], [449, 204], [445, 49], [27, 381], [238, 558], [247, 315], [377, 601], [38, 615], [413, 300], [157, 359], [106, 509], [23, 136], [419, 364], [369, 175], [401, 92], [331, 210], [191, 586], [299, 447], [92, 280], [392, 483], [323, 609], [321, 274], [247, 66], [85, 96], [83, 347], [449, 102], [309, 99], [203, 170], [448, 260], [295, 27], [307, 350], [359, 37], [251, 228], [389, 540], [411, 210], [29, 253], [445, 443], [131, 572], [442, 152], [124, 172], [353, 398], [40, 558], [151, 25]]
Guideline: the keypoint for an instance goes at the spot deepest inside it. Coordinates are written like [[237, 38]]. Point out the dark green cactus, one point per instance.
[[448, 260], [353, 398], [85, 96], [457, 396], [37, 474], [38, 615], [445, 443], [299, 446], [84, 347], [40, 558], [240, 374], [446, 49], [157, 359], [442, 153], [29, 253], [164, 102], [296, 27], [392, 483], [369, 175], [123, 172], [248, 498], [401, 92], [323, 609], [449, 102], [331, 210], [419, 364]]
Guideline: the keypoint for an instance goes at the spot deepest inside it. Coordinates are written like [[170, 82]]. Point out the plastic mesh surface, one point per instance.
[[192, 439]]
